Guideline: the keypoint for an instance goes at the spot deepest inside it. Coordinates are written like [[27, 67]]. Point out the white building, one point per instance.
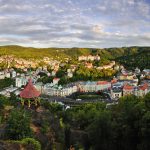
[[87, 86], [13, 74], [89, 57], [7, 75], [2, 75], [39, 86], [139, 91], [103, 85], [70, 74], [137, 71], [56, 80], [53, 73], [116, 93], [94, 86], [8, 91], [55, 90], [22, 81]]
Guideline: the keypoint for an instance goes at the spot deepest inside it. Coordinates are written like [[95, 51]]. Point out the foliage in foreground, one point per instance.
[[18, 125], [123, 126], [27, 143]]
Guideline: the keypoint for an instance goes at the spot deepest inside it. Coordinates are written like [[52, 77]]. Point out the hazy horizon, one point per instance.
[[72, 47]]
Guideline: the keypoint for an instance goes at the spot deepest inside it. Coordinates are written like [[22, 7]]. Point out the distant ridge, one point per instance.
[[138, 54]]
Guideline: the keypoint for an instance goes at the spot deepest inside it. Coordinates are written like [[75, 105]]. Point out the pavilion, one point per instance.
[[30, 94]]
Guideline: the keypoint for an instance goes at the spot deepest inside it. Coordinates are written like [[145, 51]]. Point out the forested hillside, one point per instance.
[[139, 59], [129, 56]]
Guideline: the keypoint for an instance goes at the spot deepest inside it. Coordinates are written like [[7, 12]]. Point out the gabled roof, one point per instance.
[[128, 87], [143, 87], [29, 91], [56, 79], [102, 82], [114, 81]]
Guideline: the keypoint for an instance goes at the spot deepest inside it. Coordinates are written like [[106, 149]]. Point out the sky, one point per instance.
[[75, 23]]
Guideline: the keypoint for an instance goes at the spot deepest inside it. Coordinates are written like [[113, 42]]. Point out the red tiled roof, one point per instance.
[[29, 91], [143, 87], [56, 79], [114, 81], [128, 87], [102, 82]]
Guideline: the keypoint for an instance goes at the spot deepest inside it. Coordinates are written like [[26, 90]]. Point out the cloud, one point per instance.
[[69, 23]]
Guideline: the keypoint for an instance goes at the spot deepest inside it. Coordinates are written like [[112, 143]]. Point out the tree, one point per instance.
[[13, 99], [18, 125], [67, 136], [63, 80], [145, 132], [100, 131], [42, 74], [147, 101], [31, 143], [60, 73], [6, 82], [3, 101], [46, 79]]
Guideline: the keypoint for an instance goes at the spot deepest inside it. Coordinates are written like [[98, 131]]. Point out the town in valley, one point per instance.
[[122, 82]]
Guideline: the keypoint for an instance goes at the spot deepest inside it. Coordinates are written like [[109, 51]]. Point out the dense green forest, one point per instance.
[[90, 126], [129, 56], [6, 82], [108, 53], [139, 59]]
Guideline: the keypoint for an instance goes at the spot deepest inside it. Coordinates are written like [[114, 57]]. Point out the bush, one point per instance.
[[30, 141]]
